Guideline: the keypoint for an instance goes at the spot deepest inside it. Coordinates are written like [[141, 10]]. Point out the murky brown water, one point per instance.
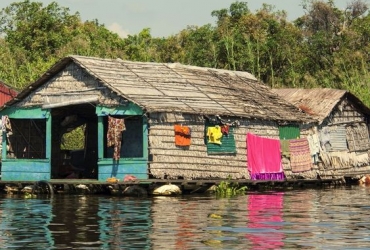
[[302, 219]]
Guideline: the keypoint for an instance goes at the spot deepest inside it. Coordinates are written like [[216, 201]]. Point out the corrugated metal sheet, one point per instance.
[[338, 138], [289, 132]]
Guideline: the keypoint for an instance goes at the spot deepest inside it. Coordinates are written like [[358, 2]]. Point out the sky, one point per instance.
[[163, 17]]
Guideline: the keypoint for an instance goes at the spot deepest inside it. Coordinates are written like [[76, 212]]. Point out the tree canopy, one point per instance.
[[325, 47]]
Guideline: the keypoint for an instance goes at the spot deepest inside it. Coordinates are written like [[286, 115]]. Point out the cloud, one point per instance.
[[116, 28]]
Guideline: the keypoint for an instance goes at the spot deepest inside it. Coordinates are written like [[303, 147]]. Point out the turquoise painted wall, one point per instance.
[[40, 169], [136, 167], [107, 167], [27, 169]]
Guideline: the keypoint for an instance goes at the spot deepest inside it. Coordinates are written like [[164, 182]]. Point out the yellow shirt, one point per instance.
[[214, 134]]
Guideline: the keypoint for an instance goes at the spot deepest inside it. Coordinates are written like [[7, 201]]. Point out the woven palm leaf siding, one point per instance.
[[345, 113], [358, 137], [171, 161], [65, 82]]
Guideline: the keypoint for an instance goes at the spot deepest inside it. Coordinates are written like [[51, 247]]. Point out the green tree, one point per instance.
[[336, 46], [200, 47], [38, 30], [139, 47], [92, 39], [169, 49], [35, 37], [227, 33]]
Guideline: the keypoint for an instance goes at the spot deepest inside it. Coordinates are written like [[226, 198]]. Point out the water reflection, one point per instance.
[[265, 217], [124, 222], [101, 222], [24, 223], [303, 219]]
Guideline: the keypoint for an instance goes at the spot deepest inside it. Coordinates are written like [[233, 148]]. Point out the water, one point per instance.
[[297, 219]]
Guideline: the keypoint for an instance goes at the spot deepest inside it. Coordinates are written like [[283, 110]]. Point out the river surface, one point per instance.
[[336, 218]]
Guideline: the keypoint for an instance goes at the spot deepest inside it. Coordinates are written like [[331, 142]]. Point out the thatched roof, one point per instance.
[[320, 102], [173, 87]]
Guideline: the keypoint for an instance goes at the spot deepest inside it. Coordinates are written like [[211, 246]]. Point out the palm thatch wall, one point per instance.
[[170, 161], [70, 86]]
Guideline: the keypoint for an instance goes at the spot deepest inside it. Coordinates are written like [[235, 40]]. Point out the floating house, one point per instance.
[[342, 131], [142, 120]]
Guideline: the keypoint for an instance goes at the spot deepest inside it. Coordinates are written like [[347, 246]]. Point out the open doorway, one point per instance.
[[74, 149]]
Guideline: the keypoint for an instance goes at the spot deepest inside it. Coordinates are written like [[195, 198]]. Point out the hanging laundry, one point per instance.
[[325, 138], [6, 125], [284, 145], [314, 145], [300, 156], [264, 159], [6, 128], [114, 135], [182, 135], [214, 134], [225, 129]]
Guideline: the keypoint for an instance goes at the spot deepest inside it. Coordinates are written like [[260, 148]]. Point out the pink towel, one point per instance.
[[263, 155]]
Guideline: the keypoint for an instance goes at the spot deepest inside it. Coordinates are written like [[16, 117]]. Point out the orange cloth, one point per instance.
[[182, 135]]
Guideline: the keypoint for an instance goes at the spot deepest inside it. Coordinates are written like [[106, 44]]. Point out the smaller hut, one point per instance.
[[339, 144], [6, 93]]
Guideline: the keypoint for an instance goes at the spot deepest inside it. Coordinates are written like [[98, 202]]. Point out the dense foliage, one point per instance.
[[326, 47], [228, 189]]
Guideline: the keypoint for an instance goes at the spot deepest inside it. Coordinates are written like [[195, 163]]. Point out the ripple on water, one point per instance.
[[306, 219]]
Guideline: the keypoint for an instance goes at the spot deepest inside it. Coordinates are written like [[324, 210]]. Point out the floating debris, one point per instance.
[[83, 187], [168, 189]]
